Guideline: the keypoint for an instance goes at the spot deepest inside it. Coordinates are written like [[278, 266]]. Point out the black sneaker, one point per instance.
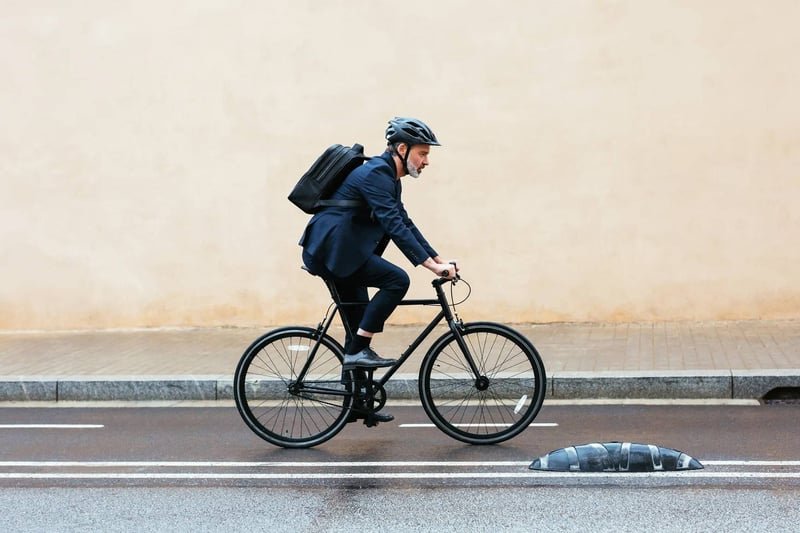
[[358, 412], [370, 419], [366, 358], [373, 419]]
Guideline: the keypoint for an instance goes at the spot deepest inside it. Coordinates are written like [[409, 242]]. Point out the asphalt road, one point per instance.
[[201, 469]]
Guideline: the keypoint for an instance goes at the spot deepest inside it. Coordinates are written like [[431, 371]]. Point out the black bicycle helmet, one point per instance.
[[410, 131]]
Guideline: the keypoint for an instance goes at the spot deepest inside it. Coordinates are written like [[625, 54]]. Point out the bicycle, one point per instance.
[[479, 383]]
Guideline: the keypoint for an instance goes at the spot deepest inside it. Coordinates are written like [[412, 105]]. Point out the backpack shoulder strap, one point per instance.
[[341, 203]]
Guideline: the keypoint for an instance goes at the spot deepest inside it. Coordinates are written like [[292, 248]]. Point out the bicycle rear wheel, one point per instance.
[[279, 408], [496, 406]]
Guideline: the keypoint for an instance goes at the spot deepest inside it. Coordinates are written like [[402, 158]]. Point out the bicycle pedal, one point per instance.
[[373, 419]]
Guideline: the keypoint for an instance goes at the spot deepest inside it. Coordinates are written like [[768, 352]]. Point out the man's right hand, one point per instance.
[[444, 270]]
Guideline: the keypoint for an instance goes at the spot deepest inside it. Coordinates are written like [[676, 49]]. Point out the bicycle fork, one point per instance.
[[481, 381], [456, 327]]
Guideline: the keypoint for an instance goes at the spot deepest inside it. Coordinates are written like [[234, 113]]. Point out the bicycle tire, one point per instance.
[[262, 388], [514, 386]]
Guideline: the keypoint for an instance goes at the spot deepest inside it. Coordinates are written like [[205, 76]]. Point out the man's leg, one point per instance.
[[392, 283], [351, 314], [351, 317]]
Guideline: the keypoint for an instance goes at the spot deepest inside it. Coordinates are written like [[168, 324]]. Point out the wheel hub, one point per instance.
[[482, 383]]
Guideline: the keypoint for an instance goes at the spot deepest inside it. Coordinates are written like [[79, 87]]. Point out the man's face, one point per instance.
[[418, 159]]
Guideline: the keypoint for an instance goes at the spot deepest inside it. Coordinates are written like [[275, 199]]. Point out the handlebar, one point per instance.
[[445, 277], [446, 273], [438, 282]]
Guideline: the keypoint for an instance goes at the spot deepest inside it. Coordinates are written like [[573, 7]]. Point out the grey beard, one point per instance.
[[412, 170]]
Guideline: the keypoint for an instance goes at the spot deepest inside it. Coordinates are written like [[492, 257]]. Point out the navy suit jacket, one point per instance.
[[343, 238]]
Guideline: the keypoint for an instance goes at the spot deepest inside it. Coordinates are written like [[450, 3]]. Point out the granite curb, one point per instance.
[[685, 384]]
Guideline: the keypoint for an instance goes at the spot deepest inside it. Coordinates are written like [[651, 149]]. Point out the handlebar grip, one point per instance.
[[446, 273]]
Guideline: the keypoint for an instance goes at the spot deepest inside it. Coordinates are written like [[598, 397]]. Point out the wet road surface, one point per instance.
[[201, 469], [737, 444]]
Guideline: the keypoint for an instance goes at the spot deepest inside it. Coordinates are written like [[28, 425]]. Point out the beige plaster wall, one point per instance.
[[603, 160]]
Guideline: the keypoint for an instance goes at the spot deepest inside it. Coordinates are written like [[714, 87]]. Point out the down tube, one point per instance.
[[414, 345]]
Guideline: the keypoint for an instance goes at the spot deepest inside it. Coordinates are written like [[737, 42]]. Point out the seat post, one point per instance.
[[337, 301]]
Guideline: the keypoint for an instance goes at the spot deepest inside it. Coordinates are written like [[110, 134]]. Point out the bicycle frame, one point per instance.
[[444, 313]]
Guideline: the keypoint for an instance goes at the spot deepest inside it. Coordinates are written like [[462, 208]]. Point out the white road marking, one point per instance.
[[536, 424], [324, 464], [51, 426], [304, 474], [407, 475], [272, 464], [751, 463]]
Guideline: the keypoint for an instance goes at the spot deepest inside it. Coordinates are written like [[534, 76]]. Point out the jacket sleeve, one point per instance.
[[379, 192]]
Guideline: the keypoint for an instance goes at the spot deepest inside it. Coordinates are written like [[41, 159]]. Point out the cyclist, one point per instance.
[[345, 244]]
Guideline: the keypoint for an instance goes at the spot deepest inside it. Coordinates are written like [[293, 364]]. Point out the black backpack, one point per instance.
[[325, 175]]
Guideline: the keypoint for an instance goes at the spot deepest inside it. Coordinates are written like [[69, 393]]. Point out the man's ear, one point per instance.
[[402, 149]]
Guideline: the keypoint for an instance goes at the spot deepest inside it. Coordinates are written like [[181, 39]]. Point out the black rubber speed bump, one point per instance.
[[615, 457]]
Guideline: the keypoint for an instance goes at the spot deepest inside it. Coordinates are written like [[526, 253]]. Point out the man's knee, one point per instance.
[[400, 281]]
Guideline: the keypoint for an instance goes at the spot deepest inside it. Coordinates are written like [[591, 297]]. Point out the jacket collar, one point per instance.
[[387, 156]]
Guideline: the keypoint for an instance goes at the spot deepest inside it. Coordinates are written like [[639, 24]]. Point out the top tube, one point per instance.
[[419, 302], [425, 301], [437, 283], [430, 301]]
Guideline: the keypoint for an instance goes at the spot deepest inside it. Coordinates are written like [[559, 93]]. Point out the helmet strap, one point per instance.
[[403, 158]]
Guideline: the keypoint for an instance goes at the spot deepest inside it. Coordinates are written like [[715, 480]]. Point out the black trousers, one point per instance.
[[391, 281]]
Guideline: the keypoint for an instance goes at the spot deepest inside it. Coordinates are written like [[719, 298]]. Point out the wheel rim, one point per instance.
[[275, 406], [497, 405]]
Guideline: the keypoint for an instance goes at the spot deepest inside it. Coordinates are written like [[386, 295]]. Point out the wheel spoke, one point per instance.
[[274, 404], [480, 411]]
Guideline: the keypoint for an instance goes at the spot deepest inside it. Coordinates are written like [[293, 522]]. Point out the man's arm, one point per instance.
[[378, 190]]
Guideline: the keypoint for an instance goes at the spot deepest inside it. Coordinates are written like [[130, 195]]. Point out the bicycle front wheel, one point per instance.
[[278, 406], [498, 404]]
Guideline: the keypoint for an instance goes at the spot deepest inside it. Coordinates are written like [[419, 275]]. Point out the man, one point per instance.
[[345, 244]]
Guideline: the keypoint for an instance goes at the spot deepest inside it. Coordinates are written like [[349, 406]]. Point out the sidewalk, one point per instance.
[[737, 359]]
